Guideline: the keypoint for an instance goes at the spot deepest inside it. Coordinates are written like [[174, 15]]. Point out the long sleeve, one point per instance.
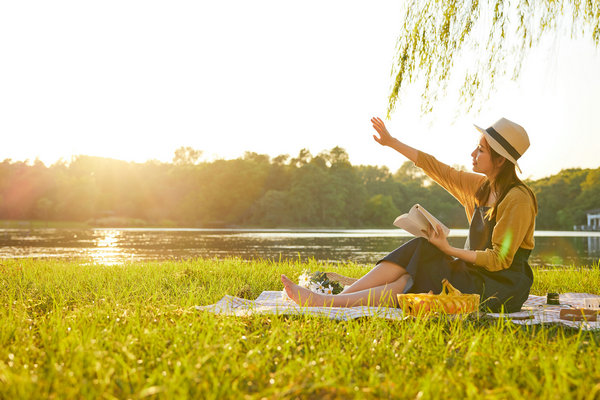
[[515, 224], [460, 184]]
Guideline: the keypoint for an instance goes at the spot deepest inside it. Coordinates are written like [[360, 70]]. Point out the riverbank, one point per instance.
[[71, 330]]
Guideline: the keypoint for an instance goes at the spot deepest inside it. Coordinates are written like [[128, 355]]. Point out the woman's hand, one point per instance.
[[438, 239], [384, 138]]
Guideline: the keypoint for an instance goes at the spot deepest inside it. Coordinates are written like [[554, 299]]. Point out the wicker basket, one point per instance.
[[450, 301]]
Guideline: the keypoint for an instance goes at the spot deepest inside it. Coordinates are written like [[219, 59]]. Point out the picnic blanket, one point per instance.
[[534, 311]]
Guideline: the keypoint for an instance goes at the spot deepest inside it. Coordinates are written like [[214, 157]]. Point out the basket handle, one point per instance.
[[448, 289]]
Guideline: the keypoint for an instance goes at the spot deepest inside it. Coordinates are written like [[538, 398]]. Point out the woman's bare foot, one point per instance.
[[300, 295]]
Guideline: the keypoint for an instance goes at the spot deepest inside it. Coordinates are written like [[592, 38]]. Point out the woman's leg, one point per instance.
[[382, 273], [380, 295]]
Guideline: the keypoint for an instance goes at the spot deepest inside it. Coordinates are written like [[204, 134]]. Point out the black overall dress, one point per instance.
[[505, 290]]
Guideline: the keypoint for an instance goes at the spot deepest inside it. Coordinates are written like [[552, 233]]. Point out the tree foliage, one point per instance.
[[186, 156], [494, 35], [322, 190]]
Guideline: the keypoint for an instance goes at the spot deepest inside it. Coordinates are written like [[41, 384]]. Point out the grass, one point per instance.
[[71, 330]]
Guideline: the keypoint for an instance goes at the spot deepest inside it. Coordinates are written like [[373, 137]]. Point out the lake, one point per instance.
[[363, 246]]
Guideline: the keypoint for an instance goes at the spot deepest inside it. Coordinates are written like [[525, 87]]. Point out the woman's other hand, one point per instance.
[[384, 138]]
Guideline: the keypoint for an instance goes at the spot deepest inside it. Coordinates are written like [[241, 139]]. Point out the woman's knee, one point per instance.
[[424, 242], [404, 254], [390, 265], [417, 242]]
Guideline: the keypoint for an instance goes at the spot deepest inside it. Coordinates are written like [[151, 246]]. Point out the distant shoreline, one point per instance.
[[141, 224]]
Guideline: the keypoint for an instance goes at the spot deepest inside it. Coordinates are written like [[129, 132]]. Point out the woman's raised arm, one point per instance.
[[385, 139]]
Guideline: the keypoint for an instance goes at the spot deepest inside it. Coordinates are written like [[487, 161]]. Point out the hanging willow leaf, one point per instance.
[[477, 42]]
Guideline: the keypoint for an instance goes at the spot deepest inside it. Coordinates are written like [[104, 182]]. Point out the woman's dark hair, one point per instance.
[[505, 180]]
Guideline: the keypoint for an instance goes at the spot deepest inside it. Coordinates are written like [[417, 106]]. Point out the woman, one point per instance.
[[493, 264]]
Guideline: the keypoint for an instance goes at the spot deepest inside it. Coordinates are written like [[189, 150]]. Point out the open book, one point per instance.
[[418, 220]]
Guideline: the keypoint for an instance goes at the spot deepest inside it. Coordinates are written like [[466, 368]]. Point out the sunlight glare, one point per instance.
[[107, 251]]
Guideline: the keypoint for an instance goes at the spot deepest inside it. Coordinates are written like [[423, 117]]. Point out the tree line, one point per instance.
[[255, 190]]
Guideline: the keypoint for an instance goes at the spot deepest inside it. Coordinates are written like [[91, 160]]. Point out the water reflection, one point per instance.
[[594, 245], [113, 246], [109, 239], [108, 250]]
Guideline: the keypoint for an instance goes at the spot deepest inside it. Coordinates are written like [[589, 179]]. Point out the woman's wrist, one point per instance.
[[404, 149], [394, 143], [463, 254], [447, 249]]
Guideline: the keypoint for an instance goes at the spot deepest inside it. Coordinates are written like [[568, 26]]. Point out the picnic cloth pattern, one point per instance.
[[534, 310]]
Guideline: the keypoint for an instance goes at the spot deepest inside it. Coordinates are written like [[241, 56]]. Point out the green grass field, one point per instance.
[[70, 330]]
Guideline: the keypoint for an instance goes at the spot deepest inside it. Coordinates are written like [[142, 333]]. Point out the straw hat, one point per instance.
[[507, 139]]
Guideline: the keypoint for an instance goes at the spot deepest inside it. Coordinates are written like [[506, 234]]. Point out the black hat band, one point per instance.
[[503, 142]]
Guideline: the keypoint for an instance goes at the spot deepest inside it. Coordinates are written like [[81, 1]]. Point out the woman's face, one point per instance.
[[482, 158]]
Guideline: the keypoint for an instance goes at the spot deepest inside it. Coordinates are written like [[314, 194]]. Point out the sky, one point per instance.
[[135, 80]]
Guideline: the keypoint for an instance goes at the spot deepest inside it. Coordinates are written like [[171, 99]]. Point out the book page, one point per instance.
[[413, 222], [431, 219], [418, 221]]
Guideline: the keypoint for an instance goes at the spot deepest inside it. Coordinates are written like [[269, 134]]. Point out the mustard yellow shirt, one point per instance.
[[515, 216]]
